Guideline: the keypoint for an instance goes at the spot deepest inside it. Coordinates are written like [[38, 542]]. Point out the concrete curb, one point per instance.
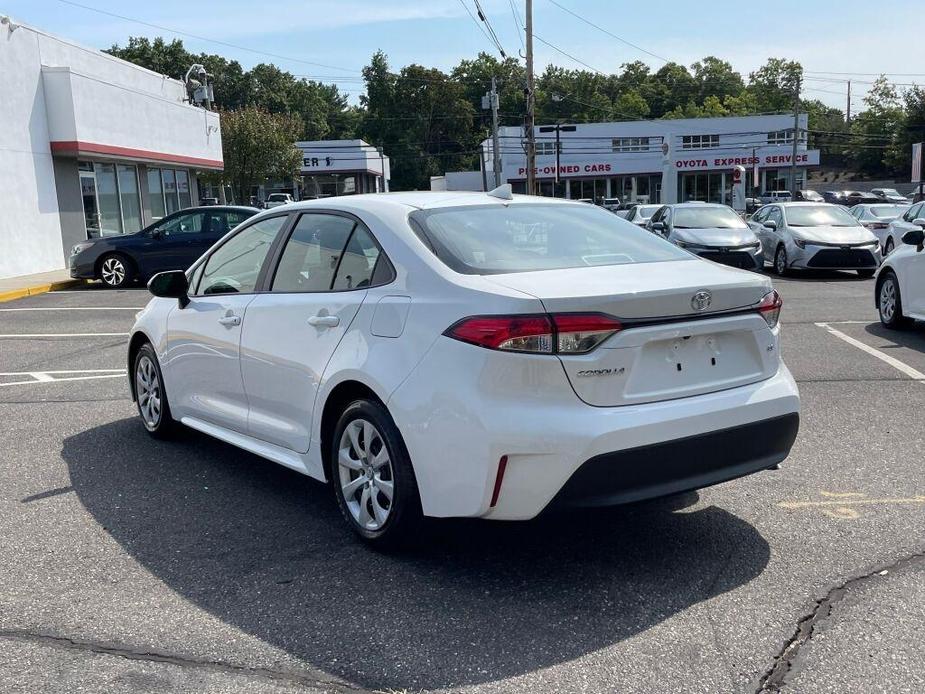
[[37, 289]]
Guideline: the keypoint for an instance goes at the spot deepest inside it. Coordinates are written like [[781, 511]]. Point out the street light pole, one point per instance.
[[557, 128], [796, 140]]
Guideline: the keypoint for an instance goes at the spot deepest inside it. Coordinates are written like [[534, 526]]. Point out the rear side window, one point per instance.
[[235, 266], [358, 261], [312, 253]]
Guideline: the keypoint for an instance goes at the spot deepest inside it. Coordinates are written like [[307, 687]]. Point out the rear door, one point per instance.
[[319, 282], [203, 368]]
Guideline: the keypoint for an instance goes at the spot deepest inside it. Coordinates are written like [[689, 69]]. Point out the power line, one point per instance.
[[612, 35], [518, 24], [494, 36], [569, 55], [481, 28]]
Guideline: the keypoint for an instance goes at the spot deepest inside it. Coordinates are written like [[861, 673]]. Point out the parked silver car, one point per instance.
[[815, 236], [714, 232], [877, 218]]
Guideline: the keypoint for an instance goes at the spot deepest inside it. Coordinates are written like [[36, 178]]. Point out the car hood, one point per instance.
[[830, 234], [715, 237]]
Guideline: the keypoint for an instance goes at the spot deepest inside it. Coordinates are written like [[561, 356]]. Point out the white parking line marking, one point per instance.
[[52, 376], [34, 335], [74, 308], [886, 358]]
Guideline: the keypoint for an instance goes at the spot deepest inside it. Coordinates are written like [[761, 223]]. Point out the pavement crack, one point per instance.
[[110, 649], [775, 678]]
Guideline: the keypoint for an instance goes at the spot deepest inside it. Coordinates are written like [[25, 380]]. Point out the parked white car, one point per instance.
[[900, 288], [468, 354], [277, 199], [877, 218], [910, 220], [640, 214], [819, 236]]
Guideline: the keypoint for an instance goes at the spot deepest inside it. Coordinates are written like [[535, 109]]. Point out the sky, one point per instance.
[[331, 40]]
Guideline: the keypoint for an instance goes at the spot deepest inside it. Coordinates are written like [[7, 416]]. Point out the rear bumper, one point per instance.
[[463, 408], [680, 465]]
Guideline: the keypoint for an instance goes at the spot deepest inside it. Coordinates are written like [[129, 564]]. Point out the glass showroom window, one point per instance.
[[107, 192], [129, 198], [183, 190], [156, 193], [170, 191]]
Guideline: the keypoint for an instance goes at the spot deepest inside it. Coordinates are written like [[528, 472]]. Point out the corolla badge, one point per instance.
[[701, 301]]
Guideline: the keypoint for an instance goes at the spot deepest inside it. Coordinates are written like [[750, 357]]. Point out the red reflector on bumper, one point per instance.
[[499, 478]]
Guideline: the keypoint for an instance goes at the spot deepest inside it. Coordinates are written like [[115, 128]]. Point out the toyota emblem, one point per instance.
[[701, 301]]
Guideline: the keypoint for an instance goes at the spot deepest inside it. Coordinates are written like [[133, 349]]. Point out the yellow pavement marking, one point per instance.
[[843, 505], [11, 294]]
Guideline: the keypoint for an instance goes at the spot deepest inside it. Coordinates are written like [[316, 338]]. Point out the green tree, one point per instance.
[[258, 145], [773, 84]]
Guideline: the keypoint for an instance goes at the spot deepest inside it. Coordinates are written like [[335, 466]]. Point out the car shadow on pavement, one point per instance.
[[264, 549], [912, 337]]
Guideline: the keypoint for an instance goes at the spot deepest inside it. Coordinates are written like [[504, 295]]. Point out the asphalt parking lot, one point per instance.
[[131, 565]]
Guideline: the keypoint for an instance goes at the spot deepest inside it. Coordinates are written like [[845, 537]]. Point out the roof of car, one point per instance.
[[423, 200], [696, 203]]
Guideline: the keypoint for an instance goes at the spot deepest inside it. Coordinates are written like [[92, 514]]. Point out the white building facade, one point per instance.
[[90, 145], [657, 161]]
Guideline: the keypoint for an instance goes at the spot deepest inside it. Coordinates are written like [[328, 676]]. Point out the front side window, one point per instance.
[[235, 266], [183, 224], [526, 237]]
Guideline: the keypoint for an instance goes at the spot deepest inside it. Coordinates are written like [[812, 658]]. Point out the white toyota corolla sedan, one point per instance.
[[468, 354]]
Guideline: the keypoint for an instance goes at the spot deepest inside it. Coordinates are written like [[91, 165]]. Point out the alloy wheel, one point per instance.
[[365, 474], [113, 271], [780, 261], [148, 392], [888, 299], [889, 247]]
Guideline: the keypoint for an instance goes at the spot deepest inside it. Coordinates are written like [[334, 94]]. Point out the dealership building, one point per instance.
[[90, 145], [657, 161]]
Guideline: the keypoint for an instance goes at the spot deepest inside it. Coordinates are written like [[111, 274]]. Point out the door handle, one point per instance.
[[324, 321], [230, 320]]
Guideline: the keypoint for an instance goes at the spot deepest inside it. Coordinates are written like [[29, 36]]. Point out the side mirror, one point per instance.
[[156, 233], [170, 285], [658, 226], [919, 222], [916, 238], [770, 223]]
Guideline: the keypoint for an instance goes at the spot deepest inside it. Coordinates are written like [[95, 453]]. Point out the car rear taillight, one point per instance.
[[770, 307], [559, 333]]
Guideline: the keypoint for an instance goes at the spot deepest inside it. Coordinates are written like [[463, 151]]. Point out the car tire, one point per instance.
[[368, 461], [866, 274], [889, 247], [780, 260], [116, 271], [889, 302], [150, 394]]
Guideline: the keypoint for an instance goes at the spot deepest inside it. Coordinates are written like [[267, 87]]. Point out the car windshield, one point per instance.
[[890, 191], [888, 211], [492, 239], [707, 218], [646, 211], [276, 197], [819, 216]]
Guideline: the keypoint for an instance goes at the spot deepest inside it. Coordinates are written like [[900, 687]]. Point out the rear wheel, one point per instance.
[[150, 396], [780, 260], [888, 248], [373, 480], [889, 302], [116, 271]]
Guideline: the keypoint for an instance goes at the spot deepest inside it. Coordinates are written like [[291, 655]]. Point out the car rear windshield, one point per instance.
[[707, 218], [819, 216], [276, 196], [492, 239], [888, 211]]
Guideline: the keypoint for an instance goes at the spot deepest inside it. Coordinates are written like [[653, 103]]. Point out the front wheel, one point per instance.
[[373, 479], [889, 247], [150, 396], [116, 271], [780, 261], [889, 303]]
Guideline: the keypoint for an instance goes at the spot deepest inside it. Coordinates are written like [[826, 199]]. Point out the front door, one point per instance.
[[203, 368], [292, 331], [176, 242], [91, 205]]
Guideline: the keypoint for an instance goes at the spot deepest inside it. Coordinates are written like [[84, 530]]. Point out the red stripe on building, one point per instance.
[[77, 147]]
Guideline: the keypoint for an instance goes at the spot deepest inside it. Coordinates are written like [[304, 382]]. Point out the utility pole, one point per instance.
[[490, 101], [848, 109], [531, 104], [796, 139]]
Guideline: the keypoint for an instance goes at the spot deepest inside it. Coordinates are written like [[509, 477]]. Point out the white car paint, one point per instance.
[[893, 234], [907, 264], [262, 383]]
